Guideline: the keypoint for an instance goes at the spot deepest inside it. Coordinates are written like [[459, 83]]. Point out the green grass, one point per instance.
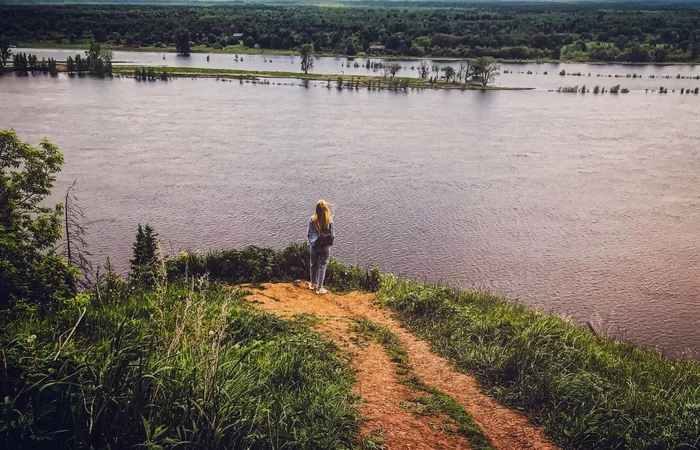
[[435, 402], [183, 365], [587, 391]]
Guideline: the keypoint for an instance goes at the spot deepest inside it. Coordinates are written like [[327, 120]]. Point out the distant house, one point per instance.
[[377, 48], [237, 37]]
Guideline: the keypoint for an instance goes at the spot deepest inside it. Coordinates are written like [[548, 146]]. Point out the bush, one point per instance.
[[262, 265]]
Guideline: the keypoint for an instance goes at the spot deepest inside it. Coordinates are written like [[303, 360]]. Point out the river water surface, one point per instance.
[[587, 206], [545, 76]]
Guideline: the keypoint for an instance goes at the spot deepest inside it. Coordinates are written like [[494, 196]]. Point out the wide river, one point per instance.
[[583, 205]]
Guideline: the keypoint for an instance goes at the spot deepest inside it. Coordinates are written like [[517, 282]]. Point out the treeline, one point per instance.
[[96, 62], [24, 63], [610, 32]]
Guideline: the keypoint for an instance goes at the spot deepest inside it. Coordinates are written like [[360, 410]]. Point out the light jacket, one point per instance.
[[313, 234]]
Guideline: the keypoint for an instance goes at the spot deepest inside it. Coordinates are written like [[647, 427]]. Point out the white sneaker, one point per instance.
[[321, 291], [311, 286]]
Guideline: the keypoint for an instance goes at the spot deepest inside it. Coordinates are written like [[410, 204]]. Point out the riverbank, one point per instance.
[[193, 355]]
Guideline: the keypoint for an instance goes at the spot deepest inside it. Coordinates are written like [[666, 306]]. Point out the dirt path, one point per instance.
[[380, 387]]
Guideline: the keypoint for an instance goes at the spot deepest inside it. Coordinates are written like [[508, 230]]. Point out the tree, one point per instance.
[[394, 68], [30, 269], [449, 73], [75, 248], [5, 51], [350, 49], [423, 69], [249, 42], [307, 57], [144, 262], [486, 69], [182, 41]]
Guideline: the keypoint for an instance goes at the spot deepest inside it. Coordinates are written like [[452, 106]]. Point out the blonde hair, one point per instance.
[[322, 216]]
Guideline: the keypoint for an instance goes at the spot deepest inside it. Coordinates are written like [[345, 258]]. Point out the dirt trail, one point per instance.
[[379, 385]]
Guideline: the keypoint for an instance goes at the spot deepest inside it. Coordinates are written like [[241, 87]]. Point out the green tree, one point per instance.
[[486, 69], [182, 41], [5, 51], [350, 49], [449, 73], [30, 269], [249, 42], [307, 57], [144, 262], [394, 68], [423, 69]]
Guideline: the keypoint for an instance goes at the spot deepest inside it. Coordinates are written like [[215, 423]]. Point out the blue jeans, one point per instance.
[[319, 262]]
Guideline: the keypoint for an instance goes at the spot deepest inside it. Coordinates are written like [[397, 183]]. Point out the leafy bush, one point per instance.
[[260, 265]]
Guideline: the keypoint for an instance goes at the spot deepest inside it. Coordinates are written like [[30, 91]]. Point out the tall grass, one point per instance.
[[184, 365], [588, 391]]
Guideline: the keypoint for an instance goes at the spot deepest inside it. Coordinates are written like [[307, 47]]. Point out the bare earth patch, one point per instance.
[[380, 387]]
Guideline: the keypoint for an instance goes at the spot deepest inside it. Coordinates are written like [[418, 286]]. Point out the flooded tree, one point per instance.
[[5, 51], [394, 69], [307, 57], [182, 41], [486, 70], [449, 73], [423, 69]]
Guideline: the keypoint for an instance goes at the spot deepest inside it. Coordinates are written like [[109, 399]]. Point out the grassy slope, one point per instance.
[[588, 391], [182, 365]]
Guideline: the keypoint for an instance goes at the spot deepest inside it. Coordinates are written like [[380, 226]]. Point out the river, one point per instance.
[[583, 205], [545, 76]]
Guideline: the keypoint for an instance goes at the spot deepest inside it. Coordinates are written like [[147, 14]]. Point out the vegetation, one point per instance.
[[626, 32], [31, 273], [588, 391], [145, 362], [97, 61], [307, 57]]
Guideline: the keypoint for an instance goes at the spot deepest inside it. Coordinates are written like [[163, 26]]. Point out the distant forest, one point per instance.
[[585, 32]]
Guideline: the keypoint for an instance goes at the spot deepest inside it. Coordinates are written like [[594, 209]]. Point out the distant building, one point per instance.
[[237, 35], [377, 48]]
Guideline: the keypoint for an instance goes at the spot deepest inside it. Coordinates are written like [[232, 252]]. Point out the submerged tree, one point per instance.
[[182, 41], [307, 57], [30, 269], [394, 69], [486, 70], [423, 69]]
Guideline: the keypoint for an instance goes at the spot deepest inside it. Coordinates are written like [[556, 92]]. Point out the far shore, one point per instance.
[[243, 50]]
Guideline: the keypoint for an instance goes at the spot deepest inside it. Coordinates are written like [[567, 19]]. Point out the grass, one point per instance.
[[435, 402], [184, 365], [587, 391]]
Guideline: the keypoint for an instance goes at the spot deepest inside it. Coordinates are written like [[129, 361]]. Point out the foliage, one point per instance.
[[588, 391], [182, 37], [146, 260], [30, 271], [259, 265], [185, 365], [632, 32], [307, 57]]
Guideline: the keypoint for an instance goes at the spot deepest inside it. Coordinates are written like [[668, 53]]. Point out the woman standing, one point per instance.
[[321, 238]]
